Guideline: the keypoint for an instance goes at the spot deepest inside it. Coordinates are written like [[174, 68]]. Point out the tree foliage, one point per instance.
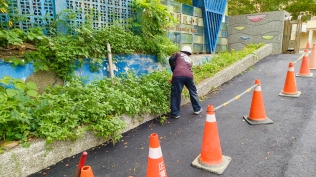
[[301, 6], [239, 7]]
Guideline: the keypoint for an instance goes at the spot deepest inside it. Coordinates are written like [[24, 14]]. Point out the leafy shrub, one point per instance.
[[122, 40], [71, 43], [149, 21], [221, 61], [66, 112], [16, 109]]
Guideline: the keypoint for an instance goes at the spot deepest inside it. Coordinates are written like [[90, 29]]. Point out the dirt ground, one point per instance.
[[43, 79]]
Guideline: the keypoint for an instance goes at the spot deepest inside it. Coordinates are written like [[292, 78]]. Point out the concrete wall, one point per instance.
[[257, 28], [21, 162]]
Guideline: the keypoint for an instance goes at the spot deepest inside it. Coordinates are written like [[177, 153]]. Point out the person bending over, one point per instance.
[[182, 74]]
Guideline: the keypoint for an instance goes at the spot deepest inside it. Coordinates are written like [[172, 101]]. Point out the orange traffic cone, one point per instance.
[[290, 84], [304, 70], [257, 113], [156, 166], [312, 59], [86, 171], [211, 158], [307, 45]]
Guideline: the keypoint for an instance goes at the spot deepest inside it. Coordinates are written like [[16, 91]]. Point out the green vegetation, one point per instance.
[[221, 61], [62, 52], [150, 21], [295, 7], [66, 112]]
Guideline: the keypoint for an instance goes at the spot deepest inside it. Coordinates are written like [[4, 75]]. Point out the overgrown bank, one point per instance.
[[66, 112], [16, 161], [68, 40]]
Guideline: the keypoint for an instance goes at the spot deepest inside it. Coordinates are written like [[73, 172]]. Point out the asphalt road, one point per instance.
[[286, 148]]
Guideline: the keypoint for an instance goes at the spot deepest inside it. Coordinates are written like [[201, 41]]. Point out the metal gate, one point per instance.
[[213, 11], [291, 35]]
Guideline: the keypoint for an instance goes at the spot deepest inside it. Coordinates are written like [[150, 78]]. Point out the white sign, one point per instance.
[[304, 28]]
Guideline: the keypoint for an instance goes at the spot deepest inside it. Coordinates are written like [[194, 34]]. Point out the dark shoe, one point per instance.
[[198, 112], [174, 117]]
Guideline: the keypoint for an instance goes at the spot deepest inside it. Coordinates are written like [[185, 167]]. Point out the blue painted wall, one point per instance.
[[141, 64], [21, 72]]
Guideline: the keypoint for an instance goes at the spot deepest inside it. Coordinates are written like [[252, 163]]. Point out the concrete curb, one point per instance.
[[21, 162]]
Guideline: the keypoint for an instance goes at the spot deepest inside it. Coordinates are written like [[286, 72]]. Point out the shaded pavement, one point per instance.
[[285, 148]]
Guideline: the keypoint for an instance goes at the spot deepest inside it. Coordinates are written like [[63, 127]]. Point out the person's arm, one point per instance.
[[172, 61]]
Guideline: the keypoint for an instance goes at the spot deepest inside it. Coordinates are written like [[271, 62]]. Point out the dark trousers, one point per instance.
[[176, 89]]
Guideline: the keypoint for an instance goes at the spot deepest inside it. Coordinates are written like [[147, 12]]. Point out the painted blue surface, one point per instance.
[[19, 72], [139, 64], [86, 73], [188, 10]]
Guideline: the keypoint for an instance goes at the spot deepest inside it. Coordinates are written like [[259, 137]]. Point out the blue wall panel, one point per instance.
[[139, 64], [20, 72]]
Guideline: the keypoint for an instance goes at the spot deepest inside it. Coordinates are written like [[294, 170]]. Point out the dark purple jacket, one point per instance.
[[181, 65]]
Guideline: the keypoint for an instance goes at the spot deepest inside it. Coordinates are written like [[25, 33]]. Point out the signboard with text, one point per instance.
[[189, 28]]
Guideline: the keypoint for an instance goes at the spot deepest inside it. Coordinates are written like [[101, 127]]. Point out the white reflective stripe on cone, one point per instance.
[[155, 153], [291, 69], [210, 118], [258, 88]]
